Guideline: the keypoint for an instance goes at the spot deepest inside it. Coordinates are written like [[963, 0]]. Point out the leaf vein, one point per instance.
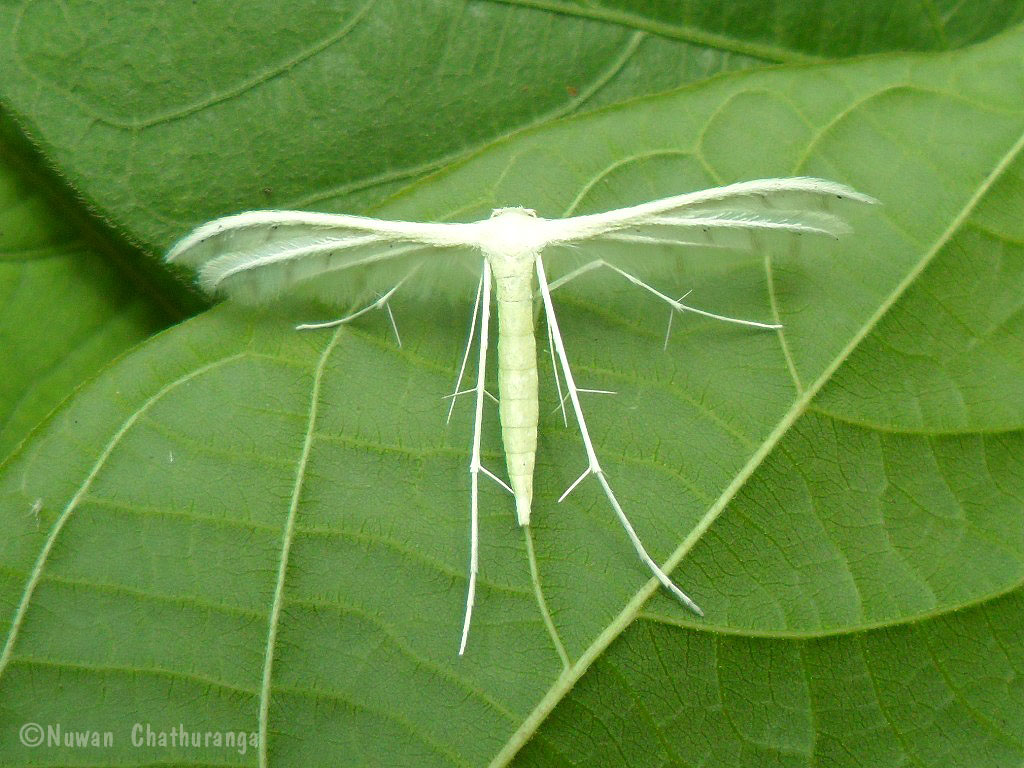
[[286, 541], [58, 526]]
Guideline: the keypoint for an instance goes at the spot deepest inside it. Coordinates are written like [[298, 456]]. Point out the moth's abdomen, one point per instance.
[[517, 384]]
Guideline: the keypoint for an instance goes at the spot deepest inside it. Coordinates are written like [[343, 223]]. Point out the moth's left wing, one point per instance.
[[259, 256]]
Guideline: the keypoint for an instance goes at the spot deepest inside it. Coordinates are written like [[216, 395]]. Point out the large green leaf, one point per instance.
[[844, 498], [162, 116]]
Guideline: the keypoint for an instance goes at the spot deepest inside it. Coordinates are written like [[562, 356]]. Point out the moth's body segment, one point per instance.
[[509, 244], [517, 374], [259, 255]]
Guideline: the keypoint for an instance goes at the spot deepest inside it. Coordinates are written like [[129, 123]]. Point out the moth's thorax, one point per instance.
[[511, 238]]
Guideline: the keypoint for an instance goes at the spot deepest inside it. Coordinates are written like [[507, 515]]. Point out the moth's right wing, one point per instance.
[[721, 216], [749, 216], [259, 256]]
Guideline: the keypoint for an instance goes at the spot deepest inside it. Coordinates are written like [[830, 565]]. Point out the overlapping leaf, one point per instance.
[[163, 116], [65, 311]]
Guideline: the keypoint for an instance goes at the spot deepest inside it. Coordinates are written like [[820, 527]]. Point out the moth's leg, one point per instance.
[[465, 354], [558, 381], [483, 292], [590, 266], [672, 314], [594, 466], [678, 306], [380, 303], [469, 391], [562, 397], [456, 393], [475, 466], [391, 317], [583, 390]]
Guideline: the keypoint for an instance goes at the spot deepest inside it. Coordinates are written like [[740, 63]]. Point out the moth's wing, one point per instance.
[[799, 205], [261, 256], [748, 216]]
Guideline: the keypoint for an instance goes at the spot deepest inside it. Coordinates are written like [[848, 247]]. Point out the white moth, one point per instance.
[[260, 255]]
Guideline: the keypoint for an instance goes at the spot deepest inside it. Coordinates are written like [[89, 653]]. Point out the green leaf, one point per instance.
[[164, 116], [844, 499], [65, 310]]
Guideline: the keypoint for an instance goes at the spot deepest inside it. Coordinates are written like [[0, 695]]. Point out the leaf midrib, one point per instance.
[[820, 634], [631, 610]]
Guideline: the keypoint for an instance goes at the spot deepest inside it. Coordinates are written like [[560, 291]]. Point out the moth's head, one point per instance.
[[514, 211], [512, 232]]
